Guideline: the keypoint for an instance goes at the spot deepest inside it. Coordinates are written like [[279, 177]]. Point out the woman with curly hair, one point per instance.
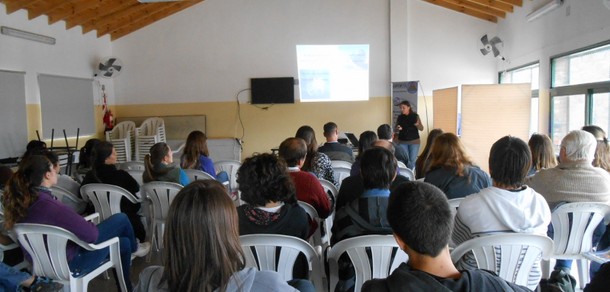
[[202, 250], [271, 204], [197, 156], [316, 162], [543, 154], [452, 171]]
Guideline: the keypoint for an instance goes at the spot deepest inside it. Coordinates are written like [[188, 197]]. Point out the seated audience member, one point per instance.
[[384, 132], [421, 222], [364, 142], [271, 205], [14, 280], [104, 170], [197, 156], [316, 162], [543, 154], [508, 206], [158, 166], [352, 187], [85, 158], [574, 179], [423, 161], [378, 169], [308, 188], [34, 147], [602, 151], [27, 199], [332, 147], [202, 250], [452, 171]]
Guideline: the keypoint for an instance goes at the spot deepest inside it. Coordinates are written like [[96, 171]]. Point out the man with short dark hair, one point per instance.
[[384, 132], [332, 147], [421, 221]]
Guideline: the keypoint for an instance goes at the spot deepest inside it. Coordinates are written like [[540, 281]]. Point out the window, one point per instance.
[[580, 93], [526, 74]]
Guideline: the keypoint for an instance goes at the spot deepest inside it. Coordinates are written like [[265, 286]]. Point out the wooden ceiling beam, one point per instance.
[[132, 16], [123, 15], [513, 2], [43, 7], [478, 7], [465, 10], [75, 8], [495, 5], [176, 7], [14, 5], [92, 14]]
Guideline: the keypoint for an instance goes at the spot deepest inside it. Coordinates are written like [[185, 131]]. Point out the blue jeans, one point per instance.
[[413, 150], [222, 176], [116, 225], [10, 278], [302, 285]]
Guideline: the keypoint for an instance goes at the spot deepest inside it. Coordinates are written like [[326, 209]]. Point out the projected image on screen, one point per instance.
[[333, 72]]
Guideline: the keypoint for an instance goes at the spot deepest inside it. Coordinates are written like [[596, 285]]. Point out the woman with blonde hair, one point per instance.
[[602, 151], [452, 171], [197, 156], [543, 154], [202, 250], [158, 166]]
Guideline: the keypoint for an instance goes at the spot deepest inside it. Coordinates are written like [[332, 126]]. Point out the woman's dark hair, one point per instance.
[[377, 168], [366, 141], [202, 249], [509, 162], [424, 157], [101, 152], [22, 188], [602, 151], [407, 103], [5, 174], [86, 154], [264, 178], [307, 133], [196, 144], [153, 161], [543, 153], [34, 147], [449, 153]]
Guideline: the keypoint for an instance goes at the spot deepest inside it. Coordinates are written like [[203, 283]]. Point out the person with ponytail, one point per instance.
[[85, 158], [158, 166], [27, 199], [104, 170]]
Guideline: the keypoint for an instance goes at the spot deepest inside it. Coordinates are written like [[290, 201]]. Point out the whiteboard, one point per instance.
[[13, 117]]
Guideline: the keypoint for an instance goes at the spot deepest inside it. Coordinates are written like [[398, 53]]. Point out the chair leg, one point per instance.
[[583, 272], [545, 267]]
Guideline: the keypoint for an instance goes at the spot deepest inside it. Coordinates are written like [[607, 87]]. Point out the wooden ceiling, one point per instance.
[[488, 10], [121, 17], [114, 17]]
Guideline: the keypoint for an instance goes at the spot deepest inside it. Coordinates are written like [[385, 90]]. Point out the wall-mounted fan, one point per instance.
[[109, 67], [490, 45]]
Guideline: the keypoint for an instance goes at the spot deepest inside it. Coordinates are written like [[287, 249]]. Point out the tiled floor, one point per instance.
[[102, 285]]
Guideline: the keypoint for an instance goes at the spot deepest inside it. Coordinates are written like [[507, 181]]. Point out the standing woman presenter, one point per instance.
[[408, 126]]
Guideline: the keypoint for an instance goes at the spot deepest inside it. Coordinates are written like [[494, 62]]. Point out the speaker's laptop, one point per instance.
[[352, 138]]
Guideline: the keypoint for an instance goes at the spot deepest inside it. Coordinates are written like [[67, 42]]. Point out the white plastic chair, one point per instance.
[[454, 204], [230, 167], [137, 174], [11, 246], [150, 132], [278, 253], [69, 199], [128, 165], [106, 198], [379, 265], [328, 222], [161, 194], [122, 137], [510, 255], [341, 163], [341, 172], [196, 174], [573, 226], [316, 238], [405, 171], [47, 246]]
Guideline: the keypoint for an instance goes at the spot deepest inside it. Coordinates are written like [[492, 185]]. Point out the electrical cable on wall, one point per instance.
[[241, 122]]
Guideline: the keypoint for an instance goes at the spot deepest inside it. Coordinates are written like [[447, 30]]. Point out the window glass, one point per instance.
[[588, 66], [599, 112], [527, 74], [568, 114]]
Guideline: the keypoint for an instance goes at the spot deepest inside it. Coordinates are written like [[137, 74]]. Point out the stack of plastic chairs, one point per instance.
[[122, 136], [151, 131]]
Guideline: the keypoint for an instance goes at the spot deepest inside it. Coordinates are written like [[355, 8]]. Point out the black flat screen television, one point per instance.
[[272, 90]]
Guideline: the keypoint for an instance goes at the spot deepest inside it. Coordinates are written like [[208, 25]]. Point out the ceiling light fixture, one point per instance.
[[554, 4], [27, 35]]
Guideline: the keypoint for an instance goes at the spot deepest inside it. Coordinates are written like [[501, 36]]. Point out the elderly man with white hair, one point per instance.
[[575, 179]]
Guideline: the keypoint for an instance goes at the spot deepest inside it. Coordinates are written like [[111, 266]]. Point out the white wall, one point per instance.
[[74, 54]]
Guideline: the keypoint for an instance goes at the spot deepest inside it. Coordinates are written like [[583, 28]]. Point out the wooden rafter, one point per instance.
[[463, 9], [76, 7], [478, 7], [495, 5]]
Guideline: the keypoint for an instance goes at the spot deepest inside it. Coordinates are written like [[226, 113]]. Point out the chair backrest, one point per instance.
[[385, 257], [230, 167], [510, 255], [329, 188], [121, 130], [139, 165], [341, 164], [137, 174], [196, 174], [161, 194], [69, 199], [454, 204], [106, 198], [341, 173], [573, 226], [278, 253], [316, 237], [405, 171], [122, 137]]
